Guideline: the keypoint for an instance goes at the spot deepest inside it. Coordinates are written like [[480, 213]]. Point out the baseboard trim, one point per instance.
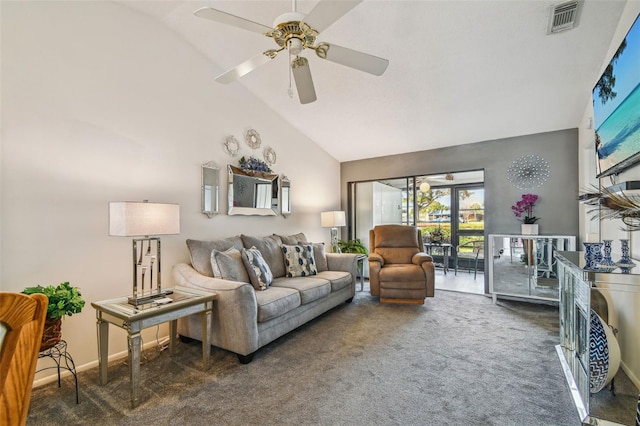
[[88, 366]]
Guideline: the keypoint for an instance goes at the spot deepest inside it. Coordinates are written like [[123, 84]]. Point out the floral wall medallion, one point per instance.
[[253, 139], [269, 155], [528, 171], [231, 146]]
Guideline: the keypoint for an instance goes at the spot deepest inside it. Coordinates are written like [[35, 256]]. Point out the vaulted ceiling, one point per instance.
[[459, 71]]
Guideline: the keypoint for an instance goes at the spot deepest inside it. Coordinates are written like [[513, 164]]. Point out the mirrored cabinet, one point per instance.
[[525, 266], [592, 353]]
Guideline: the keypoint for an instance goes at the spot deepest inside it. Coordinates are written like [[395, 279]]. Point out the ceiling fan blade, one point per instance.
[[233, 20], [244, 68], [352, 58], [327, 12], [304, 82]]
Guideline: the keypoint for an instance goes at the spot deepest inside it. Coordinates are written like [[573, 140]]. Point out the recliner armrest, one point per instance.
[[420, 258], [374, 257]]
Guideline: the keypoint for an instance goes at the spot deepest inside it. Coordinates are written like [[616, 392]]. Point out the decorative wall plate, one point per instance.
[[269, 155], [253, 139], [528, 171], [231, 146]]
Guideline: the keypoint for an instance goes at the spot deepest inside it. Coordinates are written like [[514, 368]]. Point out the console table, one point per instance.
[[577, 287], [524, 266], [184, 302]]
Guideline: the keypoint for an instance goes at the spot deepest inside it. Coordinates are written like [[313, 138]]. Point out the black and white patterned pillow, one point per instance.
[[259, 273], [299, 260]]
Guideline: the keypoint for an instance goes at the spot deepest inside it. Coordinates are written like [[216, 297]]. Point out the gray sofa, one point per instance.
[[246, 318]]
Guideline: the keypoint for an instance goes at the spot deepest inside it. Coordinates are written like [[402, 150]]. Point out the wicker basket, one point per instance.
[[52, 333]]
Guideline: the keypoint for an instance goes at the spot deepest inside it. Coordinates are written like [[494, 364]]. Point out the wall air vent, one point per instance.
[[563, 17]]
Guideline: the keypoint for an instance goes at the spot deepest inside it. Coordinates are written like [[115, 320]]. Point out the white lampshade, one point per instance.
[[424, 186], [333, 219], [133, 218]]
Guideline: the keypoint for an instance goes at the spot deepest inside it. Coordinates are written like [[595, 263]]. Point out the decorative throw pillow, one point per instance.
[[293, 239], [228, 265], [200, 252], [269, 247], [320, 256], [259, 273], [299, 260]]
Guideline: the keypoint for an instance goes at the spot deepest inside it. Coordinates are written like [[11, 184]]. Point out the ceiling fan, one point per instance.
[[295, 32]]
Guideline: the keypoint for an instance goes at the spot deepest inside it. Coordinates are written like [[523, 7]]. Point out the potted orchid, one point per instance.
[[523, 210]]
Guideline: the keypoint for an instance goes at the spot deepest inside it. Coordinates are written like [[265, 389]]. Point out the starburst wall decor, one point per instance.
[[528, 171]]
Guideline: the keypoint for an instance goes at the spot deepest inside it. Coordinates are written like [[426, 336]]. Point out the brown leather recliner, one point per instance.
[[399, 271]]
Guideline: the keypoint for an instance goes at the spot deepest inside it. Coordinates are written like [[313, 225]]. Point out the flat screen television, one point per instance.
[[616, 108]]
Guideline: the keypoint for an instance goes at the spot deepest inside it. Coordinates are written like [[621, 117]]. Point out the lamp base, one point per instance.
[[143, 300], [335, 248]]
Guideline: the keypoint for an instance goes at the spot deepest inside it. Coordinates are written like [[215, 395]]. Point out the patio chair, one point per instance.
[[473, 253]]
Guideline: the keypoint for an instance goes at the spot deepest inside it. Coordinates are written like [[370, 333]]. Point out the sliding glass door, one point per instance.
[[448, 208]]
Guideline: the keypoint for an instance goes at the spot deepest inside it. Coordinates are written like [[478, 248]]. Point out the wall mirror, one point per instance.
[[253, 193], [210, 188], [285, 197]]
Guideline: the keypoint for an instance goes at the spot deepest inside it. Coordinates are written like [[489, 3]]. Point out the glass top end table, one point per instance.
[[180, 302]]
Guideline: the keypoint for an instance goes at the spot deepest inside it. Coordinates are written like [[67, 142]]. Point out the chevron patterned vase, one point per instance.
[[604, 354]]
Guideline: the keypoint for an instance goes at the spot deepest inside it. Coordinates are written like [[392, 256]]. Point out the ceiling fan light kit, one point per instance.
[[296, 32]]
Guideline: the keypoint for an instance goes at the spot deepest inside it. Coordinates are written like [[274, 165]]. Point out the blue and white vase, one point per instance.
[[592, 255], [604, 353], [607, 262], [625, 260]]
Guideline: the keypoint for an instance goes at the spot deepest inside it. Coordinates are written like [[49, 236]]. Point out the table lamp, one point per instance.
[[144, 219], [333, 220]]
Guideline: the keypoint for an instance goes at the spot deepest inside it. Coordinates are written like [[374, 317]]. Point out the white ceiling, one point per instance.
[[459, 72]]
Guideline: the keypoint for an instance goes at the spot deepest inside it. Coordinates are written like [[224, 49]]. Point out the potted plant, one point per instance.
[[523, 210], [437, 236], [352, 246], [63, 300]]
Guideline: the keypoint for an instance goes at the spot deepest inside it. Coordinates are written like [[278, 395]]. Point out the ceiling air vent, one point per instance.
[[563, 17]]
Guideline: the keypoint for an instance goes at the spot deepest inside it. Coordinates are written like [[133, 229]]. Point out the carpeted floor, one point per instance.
[[457, 360]]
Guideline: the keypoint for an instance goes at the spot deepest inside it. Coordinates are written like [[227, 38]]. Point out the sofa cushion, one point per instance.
[[402, 273], [338, 279], [299, 260], [229, 265], [320, 256], [310, 288], [200, 252], [293, 239], [276, 301], [258, 270], [271, 252]]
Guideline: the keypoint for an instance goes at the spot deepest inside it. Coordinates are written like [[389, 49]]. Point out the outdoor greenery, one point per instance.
[[63, 299]]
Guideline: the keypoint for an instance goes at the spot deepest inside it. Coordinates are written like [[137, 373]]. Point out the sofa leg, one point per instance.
[[185, 339], [246, 359], [349, 300]]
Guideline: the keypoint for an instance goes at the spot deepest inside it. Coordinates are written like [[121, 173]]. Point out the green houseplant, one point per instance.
[[63, 300], [352, 246]]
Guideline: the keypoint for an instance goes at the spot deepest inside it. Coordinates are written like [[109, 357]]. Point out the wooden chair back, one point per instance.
[[21, 322]]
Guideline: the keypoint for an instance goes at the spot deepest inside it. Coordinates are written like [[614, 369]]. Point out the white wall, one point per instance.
[[624, 307], [99, 104]]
